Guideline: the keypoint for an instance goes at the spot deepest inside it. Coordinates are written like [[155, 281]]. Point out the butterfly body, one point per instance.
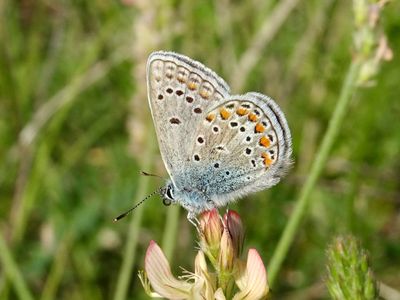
[[216, 147]]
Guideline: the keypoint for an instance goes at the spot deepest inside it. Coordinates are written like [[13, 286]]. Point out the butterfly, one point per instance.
[[216, 147]]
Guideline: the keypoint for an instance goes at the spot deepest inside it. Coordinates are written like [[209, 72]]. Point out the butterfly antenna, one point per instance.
[[135, 206], [150, 174]]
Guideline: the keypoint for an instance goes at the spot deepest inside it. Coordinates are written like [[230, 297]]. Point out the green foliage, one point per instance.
[[349, 272], [74, 125]]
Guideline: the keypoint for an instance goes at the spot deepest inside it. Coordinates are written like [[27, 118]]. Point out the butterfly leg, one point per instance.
[[191, 216]]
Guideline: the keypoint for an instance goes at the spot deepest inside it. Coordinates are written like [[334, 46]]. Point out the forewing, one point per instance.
[[180, 92], [247, 142]]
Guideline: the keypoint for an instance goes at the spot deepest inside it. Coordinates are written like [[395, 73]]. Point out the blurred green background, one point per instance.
[[75, 131]]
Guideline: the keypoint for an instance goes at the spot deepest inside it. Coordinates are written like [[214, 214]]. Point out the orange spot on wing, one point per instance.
[[224, 113], [264, 141], [192, 86], [259, 128], [181, 78], [204, 94], [252, 117], [267, 160], [241, 111], [210, 117]]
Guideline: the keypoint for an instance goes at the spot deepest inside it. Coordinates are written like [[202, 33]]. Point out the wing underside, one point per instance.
[[224, 146], [180, 92], [242, 145]]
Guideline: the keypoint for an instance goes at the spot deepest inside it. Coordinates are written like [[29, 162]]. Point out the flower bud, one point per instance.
[[227, 253], [211, 231], [235, 228], [349, 273]]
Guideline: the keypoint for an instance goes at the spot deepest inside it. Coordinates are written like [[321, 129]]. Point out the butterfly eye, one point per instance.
[[166, 202], [169, 194]]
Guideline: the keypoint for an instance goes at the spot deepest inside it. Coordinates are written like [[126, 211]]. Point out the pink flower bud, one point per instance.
[[227, 256], [211, 230], [235, 227]]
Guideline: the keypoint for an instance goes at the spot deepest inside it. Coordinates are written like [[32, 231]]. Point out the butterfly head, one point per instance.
[[192, 199], [167, 194]]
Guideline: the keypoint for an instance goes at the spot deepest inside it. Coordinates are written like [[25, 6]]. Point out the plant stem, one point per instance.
[[302, 202], [171, 227], [12, 272], [128, 262], [58, 267]]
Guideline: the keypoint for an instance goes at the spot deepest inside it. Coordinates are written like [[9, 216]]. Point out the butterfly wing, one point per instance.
[[215, 147], [180, 91], [244, 144]]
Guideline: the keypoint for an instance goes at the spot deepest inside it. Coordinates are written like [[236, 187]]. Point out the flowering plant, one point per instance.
[[221, 242]]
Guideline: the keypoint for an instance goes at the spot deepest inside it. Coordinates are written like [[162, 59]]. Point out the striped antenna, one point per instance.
[[136, 205]]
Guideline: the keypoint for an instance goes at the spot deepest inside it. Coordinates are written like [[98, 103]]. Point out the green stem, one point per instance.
[[171, 227], [128, 262], [58, 267], [12, 272], [302, 202]]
